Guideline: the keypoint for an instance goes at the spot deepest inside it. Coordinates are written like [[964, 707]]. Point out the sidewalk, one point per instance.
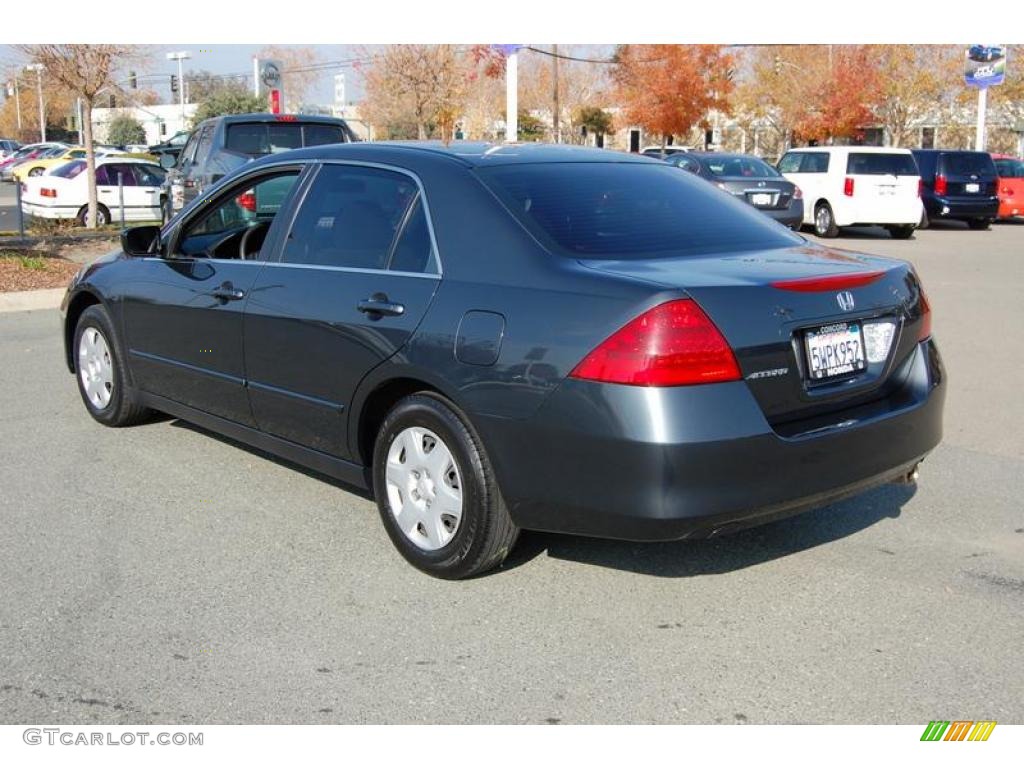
[[22, 301]]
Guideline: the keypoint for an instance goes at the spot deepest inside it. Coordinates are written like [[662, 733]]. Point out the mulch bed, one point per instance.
[[30, 271]]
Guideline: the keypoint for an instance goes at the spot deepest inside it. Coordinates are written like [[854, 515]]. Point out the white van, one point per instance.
[[856, 186]]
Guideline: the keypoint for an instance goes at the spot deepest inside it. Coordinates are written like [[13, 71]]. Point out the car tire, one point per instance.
[[925, 221], [418, 492], [102, 215], [100, 371], [979, 223], [825, 221], [901, 232]]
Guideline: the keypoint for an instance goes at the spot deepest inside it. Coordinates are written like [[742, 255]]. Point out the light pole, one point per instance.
[[180, 56], [42, 114]]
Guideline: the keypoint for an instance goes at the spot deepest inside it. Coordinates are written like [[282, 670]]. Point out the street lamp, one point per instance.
[[39, 80], [180, 56]]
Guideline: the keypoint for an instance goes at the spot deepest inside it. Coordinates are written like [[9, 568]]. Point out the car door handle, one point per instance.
[[378, 304], [228, 292]]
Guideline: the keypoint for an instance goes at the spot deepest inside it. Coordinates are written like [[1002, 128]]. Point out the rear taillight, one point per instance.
[[828, 283], [920, 187], [798, 194], [848, 187], [46, 192], [670, 345], [926, 317], [247, 201], [940, 185]]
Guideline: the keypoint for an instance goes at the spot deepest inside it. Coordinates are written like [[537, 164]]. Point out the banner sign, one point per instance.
[[984, 65]]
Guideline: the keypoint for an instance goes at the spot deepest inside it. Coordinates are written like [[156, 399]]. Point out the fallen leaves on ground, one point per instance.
[[21, 271]]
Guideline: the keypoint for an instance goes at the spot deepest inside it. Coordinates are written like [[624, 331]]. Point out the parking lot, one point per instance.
[[162, 574]]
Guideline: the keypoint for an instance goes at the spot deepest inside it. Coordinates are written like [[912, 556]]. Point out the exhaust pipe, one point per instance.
[[910, 478]]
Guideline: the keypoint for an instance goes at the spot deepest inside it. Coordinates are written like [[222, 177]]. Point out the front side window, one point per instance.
[[236, 223], [352, 217], [790, 162], [1010, 169], [630, 210]]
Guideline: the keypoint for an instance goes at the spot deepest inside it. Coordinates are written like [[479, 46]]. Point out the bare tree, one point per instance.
[[85, 72]]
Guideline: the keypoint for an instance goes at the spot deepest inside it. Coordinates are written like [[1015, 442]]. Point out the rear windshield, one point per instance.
[[881, 164], [740, 167], [631, 211], [967, 164], [69, 170], [258, 139], [1010, 169]]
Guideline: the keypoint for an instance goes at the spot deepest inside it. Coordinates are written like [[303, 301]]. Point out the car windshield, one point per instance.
[[1010, 169], [257, 139], [881, 164], [739, 167], [69, 170], [630, 210], [967, 164]]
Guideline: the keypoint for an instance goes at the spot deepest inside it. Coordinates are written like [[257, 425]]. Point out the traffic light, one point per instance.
[[174, 83], [133, 81]]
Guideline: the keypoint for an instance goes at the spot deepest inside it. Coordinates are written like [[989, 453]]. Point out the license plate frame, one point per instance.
[[761, 199], [834, 350]]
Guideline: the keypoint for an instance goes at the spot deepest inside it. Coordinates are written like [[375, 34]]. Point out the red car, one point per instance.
[[1010, 186]]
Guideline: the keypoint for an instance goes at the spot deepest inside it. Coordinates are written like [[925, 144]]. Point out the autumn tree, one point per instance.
[[917, 80], [301, 70], [668, 89], [580, 83], [57, 102], [420, 85], [85, 72]]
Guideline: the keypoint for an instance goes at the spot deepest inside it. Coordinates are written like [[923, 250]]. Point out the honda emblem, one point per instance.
[[845, 299]]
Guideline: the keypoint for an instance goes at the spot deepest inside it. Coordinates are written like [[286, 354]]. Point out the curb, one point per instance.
[[23, 301]]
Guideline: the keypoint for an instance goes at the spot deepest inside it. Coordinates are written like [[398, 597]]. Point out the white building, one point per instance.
[[161, 121]]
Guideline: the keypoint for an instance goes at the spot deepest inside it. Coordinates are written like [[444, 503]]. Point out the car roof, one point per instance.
[[855, 148], [466, 153], [268, 117]]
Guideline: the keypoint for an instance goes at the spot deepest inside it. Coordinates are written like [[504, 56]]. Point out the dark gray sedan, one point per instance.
[[750, 179], [493, 338]]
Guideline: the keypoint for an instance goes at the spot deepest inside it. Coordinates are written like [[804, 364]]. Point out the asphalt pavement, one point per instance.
[[160, 574]]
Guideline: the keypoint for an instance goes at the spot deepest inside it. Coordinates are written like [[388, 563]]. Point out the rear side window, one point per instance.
[[69, 170], [881, 164], [316, 135], [967, 164], [627, 210], [350, 218], [814, 162], [1010, 169]]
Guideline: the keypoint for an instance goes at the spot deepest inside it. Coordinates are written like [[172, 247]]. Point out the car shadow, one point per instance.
[[311, 473], [733, 552]]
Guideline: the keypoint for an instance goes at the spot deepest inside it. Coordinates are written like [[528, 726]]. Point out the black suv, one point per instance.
[[958, 185], [221, 144]]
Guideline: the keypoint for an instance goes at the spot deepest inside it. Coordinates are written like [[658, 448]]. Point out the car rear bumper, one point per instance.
[[1010, 208], [792, 216], [959, 208], [48, 211], [649, 464]]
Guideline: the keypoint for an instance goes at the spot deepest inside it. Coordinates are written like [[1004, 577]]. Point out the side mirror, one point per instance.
[[167, 160], [141, 241]]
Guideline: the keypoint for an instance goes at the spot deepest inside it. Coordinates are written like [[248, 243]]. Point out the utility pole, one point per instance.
[[180, 56], [511, 97], [556, 123], [42, 112]]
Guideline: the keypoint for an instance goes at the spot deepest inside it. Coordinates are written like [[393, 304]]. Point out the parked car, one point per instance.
[[55, 158], [220, 145], [494, 338], [8, 147], [958, 185], [750, 179], [856, 186], [1010, 171], [64, 192], [661, 153], [28, 152], [172, 147]]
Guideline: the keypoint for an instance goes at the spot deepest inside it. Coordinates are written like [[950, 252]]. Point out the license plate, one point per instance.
[[972, 187], [761, 198], [834, 350], [887, 190]]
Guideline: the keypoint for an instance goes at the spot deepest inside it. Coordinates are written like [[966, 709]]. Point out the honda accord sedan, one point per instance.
[[496, 338]]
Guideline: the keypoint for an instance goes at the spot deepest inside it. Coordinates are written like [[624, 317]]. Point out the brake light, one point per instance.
[[940, 185], [46, 192], [828, 283], [286, 118], [672, 344], [848, 187], [920, 187], [798, 194], [926, 317], [247, 201]]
